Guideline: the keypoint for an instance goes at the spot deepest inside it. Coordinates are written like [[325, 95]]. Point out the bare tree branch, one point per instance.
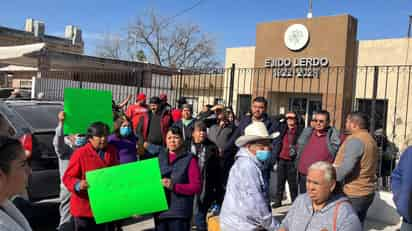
[[179, 46], [110, 47]]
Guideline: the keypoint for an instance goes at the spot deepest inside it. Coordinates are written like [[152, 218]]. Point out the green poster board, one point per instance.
[[125, 190], [82, 107]]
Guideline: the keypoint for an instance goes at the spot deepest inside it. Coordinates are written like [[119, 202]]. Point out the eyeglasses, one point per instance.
[[291, 118]]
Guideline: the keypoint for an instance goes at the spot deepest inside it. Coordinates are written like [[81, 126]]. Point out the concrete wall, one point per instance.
[[394, 82], [331, 37], [244, 59], [384, 52]]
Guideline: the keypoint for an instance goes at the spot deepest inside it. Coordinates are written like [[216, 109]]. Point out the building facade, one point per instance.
[[35, 32], [306, 65]]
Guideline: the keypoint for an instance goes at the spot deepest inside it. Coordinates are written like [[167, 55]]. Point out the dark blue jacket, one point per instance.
[[402, 185], [180, 206]]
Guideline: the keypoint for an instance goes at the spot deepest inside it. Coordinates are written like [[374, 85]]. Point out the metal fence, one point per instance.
[[383, 92]]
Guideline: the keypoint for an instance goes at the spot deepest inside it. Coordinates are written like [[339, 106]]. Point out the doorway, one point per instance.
[[305, 106]]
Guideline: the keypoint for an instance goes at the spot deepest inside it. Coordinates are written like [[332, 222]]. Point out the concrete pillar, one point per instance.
[[73, 33], [39, 28], [29, 25]]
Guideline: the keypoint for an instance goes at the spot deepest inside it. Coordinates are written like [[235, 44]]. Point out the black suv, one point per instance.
[[34, 123]]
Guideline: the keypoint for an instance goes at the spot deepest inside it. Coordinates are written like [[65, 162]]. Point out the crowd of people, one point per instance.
[[236, 167]]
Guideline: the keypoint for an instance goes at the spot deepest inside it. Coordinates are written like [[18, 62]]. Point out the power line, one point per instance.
[[167, 21]]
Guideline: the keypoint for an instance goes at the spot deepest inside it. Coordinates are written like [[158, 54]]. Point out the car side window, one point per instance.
[[5, 127]]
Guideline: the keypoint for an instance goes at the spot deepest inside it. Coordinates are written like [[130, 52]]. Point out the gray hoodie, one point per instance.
[[63, 148], [246, 206], [11, 219], [301, 216]]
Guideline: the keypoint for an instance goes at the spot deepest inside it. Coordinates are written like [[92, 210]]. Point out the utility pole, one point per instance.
[[310, 10], [408, 38]]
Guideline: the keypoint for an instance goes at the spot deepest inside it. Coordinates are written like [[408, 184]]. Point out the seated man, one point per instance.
[[246, 203], [321, 208]]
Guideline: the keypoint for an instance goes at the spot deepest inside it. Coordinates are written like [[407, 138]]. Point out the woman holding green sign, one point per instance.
[[96, 154], [181, 178]]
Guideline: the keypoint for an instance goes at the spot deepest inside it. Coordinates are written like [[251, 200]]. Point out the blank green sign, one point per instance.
[[125, 190], [82, 107]]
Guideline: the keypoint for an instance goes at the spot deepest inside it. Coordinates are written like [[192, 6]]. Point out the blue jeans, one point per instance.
[[266, 176], [200, 221], [361, 205], [64, 208], [406, 226], [172, 224], [200, 217]]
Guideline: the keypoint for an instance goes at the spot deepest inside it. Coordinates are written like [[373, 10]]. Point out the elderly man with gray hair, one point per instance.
[[321, 207]]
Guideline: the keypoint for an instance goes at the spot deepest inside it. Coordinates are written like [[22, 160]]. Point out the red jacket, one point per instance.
[[176, 114], [138, 114], [166, 122], [142, 130], [83, 160]]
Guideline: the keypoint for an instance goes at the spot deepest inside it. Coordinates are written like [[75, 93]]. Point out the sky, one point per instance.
[[231, 23]]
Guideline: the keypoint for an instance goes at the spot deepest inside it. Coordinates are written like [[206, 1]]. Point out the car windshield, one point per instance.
[[39, 116]]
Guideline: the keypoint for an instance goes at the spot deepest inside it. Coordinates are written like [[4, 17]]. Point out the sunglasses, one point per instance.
[[291, 118]]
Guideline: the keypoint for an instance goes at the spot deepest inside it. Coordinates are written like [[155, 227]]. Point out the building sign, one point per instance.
[[299, 67], [296, 37]]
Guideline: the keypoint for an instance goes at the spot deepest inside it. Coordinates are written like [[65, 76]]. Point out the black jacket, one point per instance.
[[212, 187], [280, 125], [186, 130], [221, 135]]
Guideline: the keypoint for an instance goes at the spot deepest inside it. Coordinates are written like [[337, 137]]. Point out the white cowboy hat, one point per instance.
[[254, 132]]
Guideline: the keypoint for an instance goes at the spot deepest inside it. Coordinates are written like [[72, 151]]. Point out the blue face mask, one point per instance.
[[263, 155], [80, 141], [125, 131]]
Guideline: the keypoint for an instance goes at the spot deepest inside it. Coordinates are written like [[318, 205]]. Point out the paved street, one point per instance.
[[47, 219]]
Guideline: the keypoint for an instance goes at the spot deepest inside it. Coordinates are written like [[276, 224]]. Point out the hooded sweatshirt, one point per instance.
[[246, 205], [11, 219], [301, 216]]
